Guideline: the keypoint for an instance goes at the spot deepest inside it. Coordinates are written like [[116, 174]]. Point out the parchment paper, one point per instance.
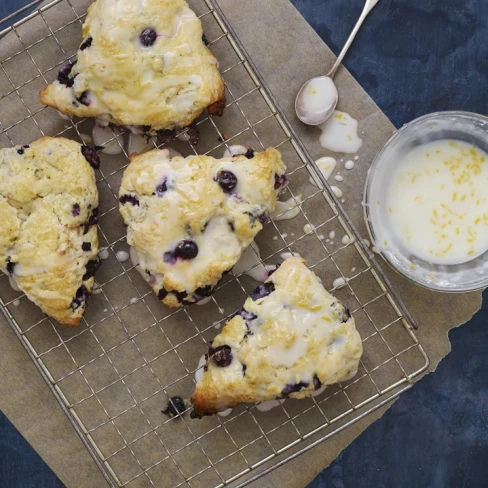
[[287, 52]]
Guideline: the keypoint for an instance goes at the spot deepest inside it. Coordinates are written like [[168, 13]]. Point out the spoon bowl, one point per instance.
[[316, 100]]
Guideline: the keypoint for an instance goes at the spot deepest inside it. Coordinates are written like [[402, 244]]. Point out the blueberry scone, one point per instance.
[[190, 219], [291, 338], [142, 64], [48, 232]]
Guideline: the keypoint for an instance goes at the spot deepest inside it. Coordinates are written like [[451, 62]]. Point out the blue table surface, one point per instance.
[[412, 58]]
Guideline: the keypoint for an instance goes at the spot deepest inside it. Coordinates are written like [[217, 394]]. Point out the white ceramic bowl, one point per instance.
[[464, 126]]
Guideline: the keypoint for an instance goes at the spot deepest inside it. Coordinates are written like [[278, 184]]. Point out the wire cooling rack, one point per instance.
[[115, 373]]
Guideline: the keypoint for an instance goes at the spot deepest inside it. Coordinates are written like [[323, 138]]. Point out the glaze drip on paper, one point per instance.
[[340, 134]]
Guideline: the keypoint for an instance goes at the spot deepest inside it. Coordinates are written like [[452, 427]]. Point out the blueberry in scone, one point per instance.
[[291, 338], [48, 232], [142, 65], [189, 224]]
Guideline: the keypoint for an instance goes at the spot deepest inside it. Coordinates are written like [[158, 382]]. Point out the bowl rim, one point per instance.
[[369, 178]]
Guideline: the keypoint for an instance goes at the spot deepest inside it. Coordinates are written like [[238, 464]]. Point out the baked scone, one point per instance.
[[48, 232], [190, 219], [142, 65], [292, 337]]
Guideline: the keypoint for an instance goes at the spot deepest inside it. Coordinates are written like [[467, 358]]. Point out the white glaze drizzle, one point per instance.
[[234, 150], [13, 283]]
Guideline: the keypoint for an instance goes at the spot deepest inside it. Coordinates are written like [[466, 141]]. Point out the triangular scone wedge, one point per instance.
[[48, 232], [190, 219], [142, 65], [291, 338]]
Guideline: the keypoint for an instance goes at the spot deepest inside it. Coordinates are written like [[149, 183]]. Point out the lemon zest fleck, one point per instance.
[[448, 248]]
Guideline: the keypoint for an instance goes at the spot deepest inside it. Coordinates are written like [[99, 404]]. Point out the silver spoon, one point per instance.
[[318, 97]]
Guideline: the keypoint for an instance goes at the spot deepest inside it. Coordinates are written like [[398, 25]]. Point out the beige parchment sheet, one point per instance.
[[287, 52]]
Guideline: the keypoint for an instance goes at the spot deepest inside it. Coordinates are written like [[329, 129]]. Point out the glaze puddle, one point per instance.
[[107, 138], [340, 134], [268, 405], [139, 144], [287, 210], [339, 283], [204, 301], [122, 256], [104, 253], [326, 166]]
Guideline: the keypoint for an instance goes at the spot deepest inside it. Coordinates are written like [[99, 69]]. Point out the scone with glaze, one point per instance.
[[48, 232], [142, 64], [291, 338], [190, 219]]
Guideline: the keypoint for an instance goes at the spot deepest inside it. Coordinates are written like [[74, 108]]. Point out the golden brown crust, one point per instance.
[[217, 108], [291, 338], [47, 195], [165, 202], [163, 85]]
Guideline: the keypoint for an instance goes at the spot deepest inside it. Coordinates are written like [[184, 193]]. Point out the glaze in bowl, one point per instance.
[[463, 277]]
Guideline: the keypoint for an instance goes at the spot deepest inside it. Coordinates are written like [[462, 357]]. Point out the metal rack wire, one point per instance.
[[114, 374]]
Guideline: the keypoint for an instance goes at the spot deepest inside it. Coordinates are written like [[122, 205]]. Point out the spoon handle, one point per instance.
[[368, 6]]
